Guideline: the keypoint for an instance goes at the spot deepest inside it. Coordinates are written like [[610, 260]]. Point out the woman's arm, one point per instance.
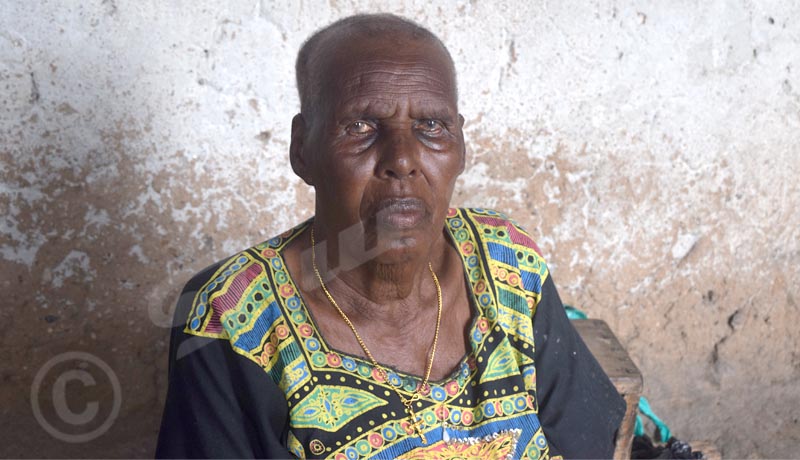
[[219, 404], [579, 408]]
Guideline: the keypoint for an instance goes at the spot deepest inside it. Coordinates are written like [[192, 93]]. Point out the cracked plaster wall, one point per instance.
[[650, 147]]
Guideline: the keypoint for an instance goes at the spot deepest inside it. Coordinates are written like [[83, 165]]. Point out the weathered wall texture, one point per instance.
[[651, 147]]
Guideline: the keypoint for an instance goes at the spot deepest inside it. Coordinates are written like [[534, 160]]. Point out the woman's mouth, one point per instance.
[[401, 213]]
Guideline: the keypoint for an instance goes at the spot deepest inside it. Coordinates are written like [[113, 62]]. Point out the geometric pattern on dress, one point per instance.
[[501, 363], [537, 447], [214, 299], [516, 234], [258, 319], [529, 377], [340, 406], [517, 323], [295, 446], [329, 407], [227, 309]]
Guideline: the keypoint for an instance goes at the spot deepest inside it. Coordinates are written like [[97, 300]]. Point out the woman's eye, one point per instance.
[[359, 127], [431, 126]]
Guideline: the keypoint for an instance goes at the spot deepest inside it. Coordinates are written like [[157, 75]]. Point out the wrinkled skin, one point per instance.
[[383, 150], [387, 137]]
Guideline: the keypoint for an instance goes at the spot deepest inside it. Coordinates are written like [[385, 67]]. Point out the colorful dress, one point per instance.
[[251, 375]]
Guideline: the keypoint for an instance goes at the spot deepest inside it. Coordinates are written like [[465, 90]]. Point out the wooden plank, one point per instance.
[[610, 354]]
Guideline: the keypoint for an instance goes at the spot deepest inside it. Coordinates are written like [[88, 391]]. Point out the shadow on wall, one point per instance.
[[93, 263]]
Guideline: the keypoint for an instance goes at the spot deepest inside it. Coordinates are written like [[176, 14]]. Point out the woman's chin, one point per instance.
[[393, 245], [401, 249]]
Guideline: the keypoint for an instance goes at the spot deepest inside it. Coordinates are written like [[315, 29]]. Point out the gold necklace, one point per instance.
[[407, 402]]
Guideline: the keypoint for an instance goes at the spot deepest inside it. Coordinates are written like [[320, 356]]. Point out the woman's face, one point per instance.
[[385, 147]]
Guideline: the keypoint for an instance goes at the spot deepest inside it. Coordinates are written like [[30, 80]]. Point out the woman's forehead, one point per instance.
[[381, 76], [415, 104]]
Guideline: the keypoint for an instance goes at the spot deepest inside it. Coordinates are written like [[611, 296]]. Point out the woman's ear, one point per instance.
[[297, 151], [463, 143]]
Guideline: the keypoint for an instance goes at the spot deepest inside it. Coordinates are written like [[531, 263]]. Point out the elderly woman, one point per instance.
[[390, 325]]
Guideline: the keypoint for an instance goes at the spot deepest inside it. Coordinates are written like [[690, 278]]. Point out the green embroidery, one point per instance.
[[329, 408], [293, 375], [516, 323], [501, 363], [513, 300]]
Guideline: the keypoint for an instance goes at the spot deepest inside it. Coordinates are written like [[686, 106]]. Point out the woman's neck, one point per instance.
[[376, 287], [388, 283]]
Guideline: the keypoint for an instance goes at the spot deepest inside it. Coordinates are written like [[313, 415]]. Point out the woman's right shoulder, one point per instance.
[[226, 298]]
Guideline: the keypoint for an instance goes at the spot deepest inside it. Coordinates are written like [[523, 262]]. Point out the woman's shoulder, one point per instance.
[[511, 256], [496, 228], [226, 298]]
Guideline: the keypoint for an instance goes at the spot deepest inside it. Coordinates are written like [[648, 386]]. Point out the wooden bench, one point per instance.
[[627, 379]]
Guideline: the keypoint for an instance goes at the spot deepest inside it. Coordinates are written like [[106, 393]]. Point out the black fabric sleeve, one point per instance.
[[219, 404], [579, 408]]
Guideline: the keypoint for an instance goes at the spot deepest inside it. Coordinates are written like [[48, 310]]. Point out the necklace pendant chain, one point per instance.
[[416, 424]]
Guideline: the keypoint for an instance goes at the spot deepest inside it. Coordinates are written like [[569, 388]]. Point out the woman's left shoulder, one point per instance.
[[498, 228]]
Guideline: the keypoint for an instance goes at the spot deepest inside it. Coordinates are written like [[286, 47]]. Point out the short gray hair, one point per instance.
[[307, 70]]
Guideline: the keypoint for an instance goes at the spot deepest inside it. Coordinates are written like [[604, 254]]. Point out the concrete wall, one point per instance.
[[651, 148]]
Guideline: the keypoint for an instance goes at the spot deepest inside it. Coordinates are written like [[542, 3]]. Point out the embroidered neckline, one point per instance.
[[481, 301]]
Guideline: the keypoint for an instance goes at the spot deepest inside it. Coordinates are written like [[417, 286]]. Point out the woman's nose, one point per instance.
[[398, 154]]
